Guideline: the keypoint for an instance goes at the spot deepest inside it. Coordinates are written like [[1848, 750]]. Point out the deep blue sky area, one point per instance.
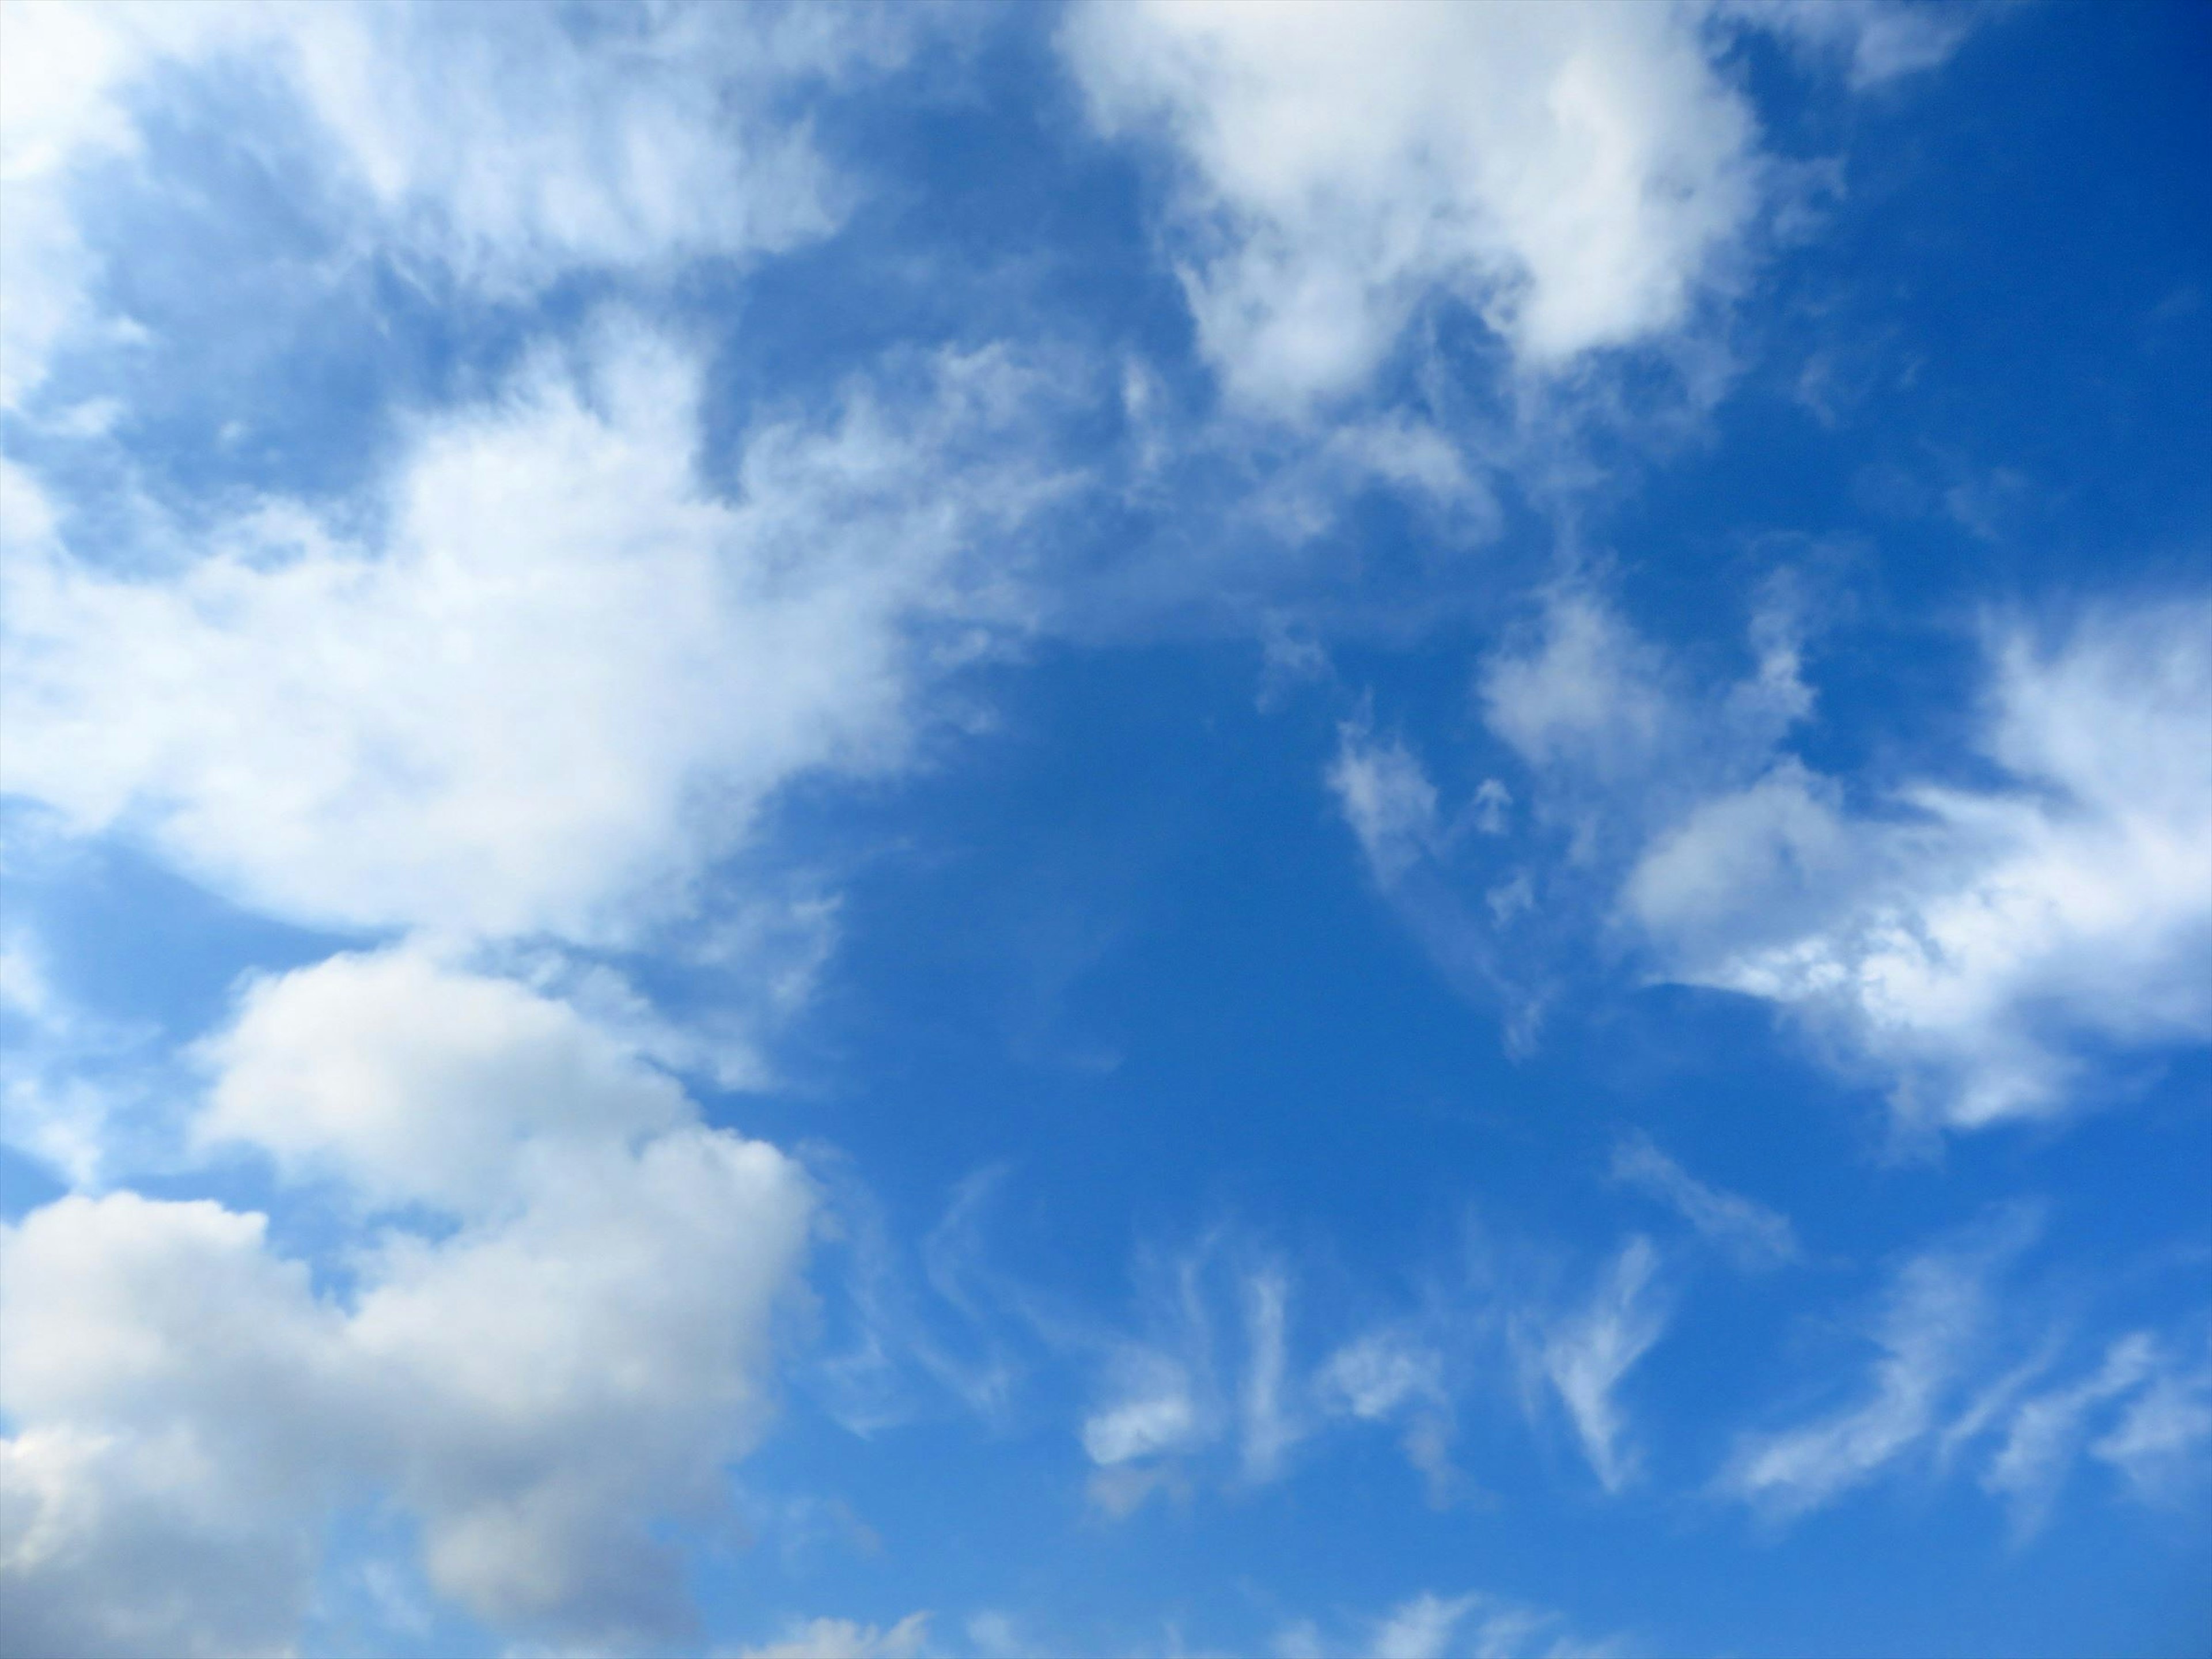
[[1144, 829]]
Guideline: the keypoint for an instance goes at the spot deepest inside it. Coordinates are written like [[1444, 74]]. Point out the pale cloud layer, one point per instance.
[[558, 677], [568, 1357]]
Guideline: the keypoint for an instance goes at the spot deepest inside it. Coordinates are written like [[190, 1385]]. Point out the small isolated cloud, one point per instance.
[[1585, 1356], [1387, 798], [1753, 1235], [844, 1638]]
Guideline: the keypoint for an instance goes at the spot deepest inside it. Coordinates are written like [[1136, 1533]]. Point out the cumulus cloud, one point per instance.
[[1576, 176], [559, 676], [166, 1376], [562, 1361], [496, 146]]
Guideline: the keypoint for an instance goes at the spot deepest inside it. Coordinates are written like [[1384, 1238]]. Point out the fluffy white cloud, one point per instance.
[[409, 1081], [1578, 175], [500, 145], [165, 1376], [558, 675], [568, 1357]]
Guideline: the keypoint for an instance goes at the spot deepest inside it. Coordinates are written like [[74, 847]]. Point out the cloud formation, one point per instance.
[[1754, 1235], [496, 148], [1971, 946], [1576, 176], [560, 1360], [1947, 1382], [560, 676]]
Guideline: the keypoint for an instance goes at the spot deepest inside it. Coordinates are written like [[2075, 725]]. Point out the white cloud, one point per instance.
[[411, 1081], [1934, 1321], [1174, 1396], [1880, 40], [1387, 798], [1579, 176], [846, 1639], [2047, 1431], [561, 675], [1968, 946], [1604, 717], [1582, 694], [1947, 1386], [1474, 1625], [1585, 1358], [165, 1375], [1421, 1628], [1375, 1374], [501, 146], [2162, 1443], [1967, 941], [1753, 1235], [1269, 1430], [568, 1358], [69, 1081], [1155, 1414]]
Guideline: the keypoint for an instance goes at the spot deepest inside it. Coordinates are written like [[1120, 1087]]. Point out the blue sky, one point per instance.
[[1121, 829]]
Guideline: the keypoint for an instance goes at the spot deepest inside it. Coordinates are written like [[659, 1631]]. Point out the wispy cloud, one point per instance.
[[1585, 1357], [1753, 1235]]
